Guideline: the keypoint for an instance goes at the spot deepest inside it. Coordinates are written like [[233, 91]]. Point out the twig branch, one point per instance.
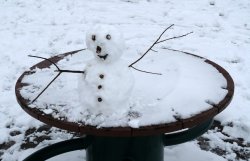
[[150, 49], [45, 59], [58, 70], [175, 50], [172, 49], [175, 37], [153, 50], [69, 71], [151, 46], [145, 71], [46, 87]]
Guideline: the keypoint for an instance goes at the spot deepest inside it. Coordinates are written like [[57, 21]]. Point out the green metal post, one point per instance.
[[143, 148]]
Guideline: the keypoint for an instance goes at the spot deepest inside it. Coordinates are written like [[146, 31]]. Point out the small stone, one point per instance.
[[101, 76], [93, 37], [212, 3], [221, 14], [7, 145], [15, 133], [108, 37], [99, 87], [99, 99]]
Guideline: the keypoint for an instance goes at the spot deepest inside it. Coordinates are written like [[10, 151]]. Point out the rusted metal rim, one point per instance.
[[125, 131]]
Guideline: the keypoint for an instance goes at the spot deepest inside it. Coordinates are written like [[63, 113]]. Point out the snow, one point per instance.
[[46, 28], [184, 77], [107, 82], [115, 90], [106, 42]]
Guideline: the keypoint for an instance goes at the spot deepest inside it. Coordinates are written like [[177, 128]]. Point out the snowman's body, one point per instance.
[[106, 86]]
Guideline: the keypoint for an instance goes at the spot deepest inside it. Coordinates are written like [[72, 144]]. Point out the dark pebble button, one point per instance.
[[99, 87], [99, 99], [101, 76]]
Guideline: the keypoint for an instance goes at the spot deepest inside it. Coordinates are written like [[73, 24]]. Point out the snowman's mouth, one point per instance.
[[103, 56]]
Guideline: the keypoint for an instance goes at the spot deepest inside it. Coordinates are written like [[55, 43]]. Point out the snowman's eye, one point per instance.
[[108, 37], [93, 37]]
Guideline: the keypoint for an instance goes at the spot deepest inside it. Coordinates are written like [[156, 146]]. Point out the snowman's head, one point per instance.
[[106, 42]]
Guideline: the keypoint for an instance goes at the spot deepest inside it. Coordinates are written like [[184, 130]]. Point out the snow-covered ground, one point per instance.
[[45, 28]]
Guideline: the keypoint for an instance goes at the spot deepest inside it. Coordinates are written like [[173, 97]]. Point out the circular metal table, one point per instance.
[[123, 143]]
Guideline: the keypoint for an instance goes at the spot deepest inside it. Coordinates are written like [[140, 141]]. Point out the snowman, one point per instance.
[[106, 85]]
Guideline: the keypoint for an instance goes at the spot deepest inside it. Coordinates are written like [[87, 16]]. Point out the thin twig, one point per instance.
[[45, 59], [58, 70], [151, 46], [145, 71], [174, 50], [69, 71], [175, 37], [46, 87], [153, 50]]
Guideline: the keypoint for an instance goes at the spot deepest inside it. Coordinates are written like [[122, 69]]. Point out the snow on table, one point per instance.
[[187, 87]]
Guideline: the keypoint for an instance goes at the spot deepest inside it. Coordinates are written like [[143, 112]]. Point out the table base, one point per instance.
[[143, 148], [139, 148]]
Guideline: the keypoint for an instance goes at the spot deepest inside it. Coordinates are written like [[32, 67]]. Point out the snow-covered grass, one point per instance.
[[45, 28]]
